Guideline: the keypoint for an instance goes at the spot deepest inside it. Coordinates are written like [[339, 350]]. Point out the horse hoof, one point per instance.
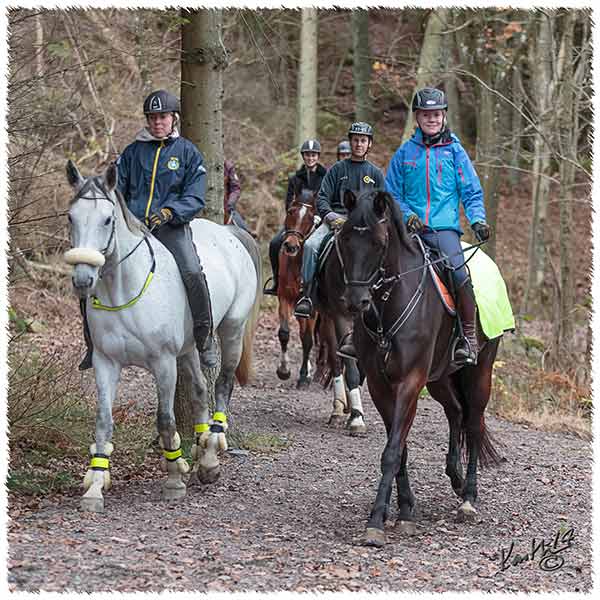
[[466, 512], [209, 475], [173, 493], [92, 505], [375, 537], [406, 527], [303, 383], [283, 375], [336, 421], [356, 429]]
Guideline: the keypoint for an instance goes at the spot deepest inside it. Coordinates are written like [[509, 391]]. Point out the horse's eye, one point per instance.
[[69, 219], [108, 220]]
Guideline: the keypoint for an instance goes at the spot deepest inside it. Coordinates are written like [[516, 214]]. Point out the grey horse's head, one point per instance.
[[92, 218]]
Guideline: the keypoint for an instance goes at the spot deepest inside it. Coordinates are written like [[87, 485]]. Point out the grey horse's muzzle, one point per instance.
[[86, 263]]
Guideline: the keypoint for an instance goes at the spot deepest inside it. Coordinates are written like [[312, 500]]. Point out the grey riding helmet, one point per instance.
[[344, 147], [310, 146], [429, 99], [161, 101], [360, 128]]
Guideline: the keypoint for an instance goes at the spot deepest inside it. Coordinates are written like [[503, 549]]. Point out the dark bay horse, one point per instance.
[[403, 336], [299, 224]]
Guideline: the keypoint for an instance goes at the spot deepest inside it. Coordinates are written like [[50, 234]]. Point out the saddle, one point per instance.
[[440, 274], [324, 250]]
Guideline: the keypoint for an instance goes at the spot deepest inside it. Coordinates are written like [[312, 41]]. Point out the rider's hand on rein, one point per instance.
[[164, 215], [414, 224], [481, 230]]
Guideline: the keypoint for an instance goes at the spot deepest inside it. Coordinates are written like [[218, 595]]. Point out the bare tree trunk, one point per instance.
[[431, 63], [203, 60], [306, 121], [362, 63], [541, 60]]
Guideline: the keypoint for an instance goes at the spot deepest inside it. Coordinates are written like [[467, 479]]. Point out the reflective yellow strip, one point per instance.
[[172, 454], [201, 427], [96, 303], [101, 463], [219, 416], [153, 179]]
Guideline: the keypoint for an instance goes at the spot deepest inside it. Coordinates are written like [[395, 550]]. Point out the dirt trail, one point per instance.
[[292, 519]]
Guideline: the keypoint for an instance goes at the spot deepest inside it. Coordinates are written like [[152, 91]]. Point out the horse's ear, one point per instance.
[[110, 177], [73, 175], [349, 200], [381, 202]]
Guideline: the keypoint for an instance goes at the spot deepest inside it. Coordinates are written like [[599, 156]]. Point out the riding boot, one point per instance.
[[467, 347], [346, 348], [274, 258], [203, 325], [304, 308], [86, 363]]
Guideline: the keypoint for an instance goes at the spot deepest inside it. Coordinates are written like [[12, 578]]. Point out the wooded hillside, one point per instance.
[[519, 85]]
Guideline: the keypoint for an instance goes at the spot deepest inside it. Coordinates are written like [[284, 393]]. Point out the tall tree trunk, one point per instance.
[[362, 63], [542, 59], [203, 60], [431, 62], [306, 121]]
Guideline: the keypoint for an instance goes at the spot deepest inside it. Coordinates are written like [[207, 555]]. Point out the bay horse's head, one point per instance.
[[92, 219], [362, 245], [299, 221]]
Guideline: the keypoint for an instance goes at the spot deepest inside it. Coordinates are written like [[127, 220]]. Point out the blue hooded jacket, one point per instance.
[[430, 181], [163, 174]]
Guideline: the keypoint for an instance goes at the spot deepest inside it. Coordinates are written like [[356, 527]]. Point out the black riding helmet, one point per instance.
[[161, 101], [429, 99], [310, 146], [360, 128]]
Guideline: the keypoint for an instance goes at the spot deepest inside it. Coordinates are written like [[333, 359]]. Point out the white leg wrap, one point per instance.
[[339, 395], [98, 479], [357, 423]]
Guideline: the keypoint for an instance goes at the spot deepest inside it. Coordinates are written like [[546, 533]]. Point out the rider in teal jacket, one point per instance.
[[429, 176], [430, 181]]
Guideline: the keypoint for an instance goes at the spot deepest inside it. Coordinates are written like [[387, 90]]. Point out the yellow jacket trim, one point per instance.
[[153, 180]]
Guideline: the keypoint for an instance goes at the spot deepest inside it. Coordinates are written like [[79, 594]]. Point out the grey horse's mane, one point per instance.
[[134, 225]]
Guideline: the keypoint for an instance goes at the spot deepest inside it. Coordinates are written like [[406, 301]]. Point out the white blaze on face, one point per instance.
[[302, 213]]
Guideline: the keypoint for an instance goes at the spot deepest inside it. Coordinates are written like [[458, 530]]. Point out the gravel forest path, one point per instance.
[[292, 518]]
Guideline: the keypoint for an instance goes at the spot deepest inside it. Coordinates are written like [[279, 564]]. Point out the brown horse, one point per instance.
[[299, 224], [403, 337]]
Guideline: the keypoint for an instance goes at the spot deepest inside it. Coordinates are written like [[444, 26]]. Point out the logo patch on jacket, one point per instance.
[[367, 179], [173, 163]]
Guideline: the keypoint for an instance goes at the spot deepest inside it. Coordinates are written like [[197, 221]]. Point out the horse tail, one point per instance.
[[245, 371], [488, 454]]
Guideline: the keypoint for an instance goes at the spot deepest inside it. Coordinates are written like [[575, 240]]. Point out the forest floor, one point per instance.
[[289, 512]]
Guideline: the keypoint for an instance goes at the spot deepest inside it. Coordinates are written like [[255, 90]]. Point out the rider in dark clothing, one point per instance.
[[311, 175], [162, 179], [355, 173]]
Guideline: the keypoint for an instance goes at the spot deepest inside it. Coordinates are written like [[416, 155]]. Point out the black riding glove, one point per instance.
[[414, 224], [481, 230]]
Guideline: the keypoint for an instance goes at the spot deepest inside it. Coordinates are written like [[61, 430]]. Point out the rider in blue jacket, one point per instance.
[[429, 176], [163, 181]]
